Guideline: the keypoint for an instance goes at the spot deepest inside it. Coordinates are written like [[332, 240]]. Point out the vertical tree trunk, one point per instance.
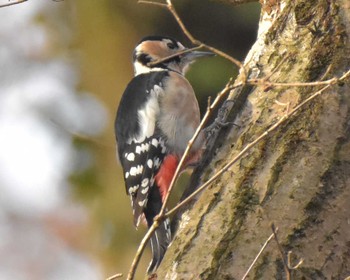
[[298, 178]]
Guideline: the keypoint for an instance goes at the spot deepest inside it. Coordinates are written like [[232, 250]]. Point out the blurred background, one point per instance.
[[64, 213]]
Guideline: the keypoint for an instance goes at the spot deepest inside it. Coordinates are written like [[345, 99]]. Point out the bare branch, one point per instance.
[[285, 264], [153, 63], [181, 24], [263, 82], [140, 250], [12, 3], [193, 40], [115, 276], [153, 3], [258, 255], [290, 262], [197, 42], [236, 2]]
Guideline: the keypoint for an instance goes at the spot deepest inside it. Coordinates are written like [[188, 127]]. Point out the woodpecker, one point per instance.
[[157, 116]]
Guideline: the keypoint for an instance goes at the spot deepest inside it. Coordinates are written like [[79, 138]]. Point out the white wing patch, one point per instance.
[[139, 68], [147, 115]]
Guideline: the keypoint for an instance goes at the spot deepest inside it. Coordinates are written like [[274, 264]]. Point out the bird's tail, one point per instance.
[[160, 241]]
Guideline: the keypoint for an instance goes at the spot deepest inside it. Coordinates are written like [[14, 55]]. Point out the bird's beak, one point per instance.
[[191, 56]]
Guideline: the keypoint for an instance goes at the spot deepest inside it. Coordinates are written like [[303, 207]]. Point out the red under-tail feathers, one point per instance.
[[167, 171], [165, 174]]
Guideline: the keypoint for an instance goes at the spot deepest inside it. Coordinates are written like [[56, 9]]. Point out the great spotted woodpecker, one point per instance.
[[157, 116]]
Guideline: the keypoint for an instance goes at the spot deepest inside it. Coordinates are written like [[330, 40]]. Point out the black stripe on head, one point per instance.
[[143, 58]]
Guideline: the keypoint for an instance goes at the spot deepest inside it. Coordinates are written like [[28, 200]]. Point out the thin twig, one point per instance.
[[153, 3], [236, 2], [229, 58], [280, 249], [153, 63], [263, 82], [13, 3], [140, 250], [290, 266], [181, 24], [193, 40], [258, 255], [115, 276], [197, 42], [329, 68], [259, 82]]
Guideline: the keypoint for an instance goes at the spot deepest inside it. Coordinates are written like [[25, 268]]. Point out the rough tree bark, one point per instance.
[[298, 178]]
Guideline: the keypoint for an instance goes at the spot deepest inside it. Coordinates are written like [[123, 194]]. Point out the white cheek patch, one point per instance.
[[140, 68]]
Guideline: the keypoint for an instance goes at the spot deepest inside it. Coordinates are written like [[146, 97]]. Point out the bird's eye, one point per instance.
[[171, 46]]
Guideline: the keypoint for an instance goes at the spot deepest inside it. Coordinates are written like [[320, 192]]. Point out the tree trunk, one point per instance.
[[298, 177]]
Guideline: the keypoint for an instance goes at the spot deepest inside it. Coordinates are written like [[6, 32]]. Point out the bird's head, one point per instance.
[[154, 48]]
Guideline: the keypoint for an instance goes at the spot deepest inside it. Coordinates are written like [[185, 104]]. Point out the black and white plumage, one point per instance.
[[157, 115]]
